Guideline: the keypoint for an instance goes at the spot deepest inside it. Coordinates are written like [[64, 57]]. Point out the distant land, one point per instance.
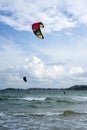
[[78, 87], [75, 87]]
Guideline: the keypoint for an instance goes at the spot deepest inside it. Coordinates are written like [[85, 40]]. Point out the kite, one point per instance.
[[24, 78], [36, 29]]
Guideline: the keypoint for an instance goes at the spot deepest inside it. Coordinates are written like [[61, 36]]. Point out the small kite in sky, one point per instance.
[[25, 79], [36, 29]]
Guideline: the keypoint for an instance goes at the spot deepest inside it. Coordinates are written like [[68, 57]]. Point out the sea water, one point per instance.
[[43, 110]]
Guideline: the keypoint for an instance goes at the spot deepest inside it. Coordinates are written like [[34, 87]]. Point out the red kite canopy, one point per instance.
[[36, 29]]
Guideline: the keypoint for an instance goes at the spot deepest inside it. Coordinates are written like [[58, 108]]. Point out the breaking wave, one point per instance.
[[72, 113], [33, 98]]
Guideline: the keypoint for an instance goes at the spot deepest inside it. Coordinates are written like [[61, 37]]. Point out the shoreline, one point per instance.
[[75, 87]]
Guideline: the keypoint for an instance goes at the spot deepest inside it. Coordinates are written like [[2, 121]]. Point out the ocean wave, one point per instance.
[[23, 98], [26, 98], [35, 114], [9, 98], [65, 101], [33, 106], [45, 114], [72, 100], [72, 113], [68, 100], [64, 113], [48, 99], [80, 98], [33, 98], [3, 98], [29, 114], [20, 114], [1, 114]]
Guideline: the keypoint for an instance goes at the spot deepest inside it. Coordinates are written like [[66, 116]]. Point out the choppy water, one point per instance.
[[43, 110]]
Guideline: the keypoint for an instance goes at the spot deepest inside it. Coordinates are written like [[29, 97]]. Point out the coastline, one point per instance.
[[75, 87]]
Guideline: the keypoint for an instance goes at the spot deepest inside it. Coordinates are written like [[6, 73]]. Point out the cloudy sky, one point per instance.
[[57, 61]]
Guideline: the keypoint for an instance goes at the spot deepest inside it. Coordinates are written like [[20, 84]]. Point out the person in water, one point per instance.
[[64, 92]]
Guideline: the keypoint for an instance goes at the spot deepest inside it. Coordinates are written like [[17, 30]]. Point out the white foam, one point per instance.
[[79, 98], [19, 114], [34, 98], [52, 114], [1, 114], [47, 114]]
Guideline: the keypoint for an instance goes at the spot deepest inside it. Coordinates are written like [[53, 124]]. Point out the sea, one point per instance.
[[43, 109]]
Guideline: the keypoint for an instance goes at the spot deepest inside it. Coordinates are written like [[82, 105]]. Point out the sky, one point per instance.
[[57, 61]]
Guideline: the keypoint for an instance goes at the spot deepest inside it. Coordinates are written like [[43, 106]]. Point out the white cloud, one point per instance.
[[79, 10], [40, 70], [56, 15], [55, 74], [55, 71], [76, 70], [35, 66], [39, 74]]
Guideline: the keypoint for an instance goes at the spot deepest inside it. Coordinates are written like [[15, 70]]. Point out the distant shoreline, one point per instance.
[[75, 87], [78, 87]]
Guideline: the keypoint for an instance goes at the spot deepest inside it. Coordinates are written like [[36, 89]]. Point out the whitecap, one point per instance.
[[19, 114], [46, 114], [34, 98], [80, 98], [1, 114]]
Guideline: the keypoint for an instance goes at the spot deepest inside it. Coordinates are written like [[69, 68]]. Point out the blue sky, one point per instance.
[[57, 61]]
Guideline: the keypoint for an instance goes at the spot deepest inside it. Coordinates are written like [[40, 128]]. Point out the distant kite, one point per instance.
[[36, 29], [24, 78]]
